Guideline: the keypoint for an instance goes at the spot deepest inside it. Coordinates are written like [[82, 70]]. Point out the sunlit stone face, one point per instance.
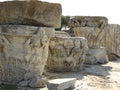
[[66, 53], [23, 55]]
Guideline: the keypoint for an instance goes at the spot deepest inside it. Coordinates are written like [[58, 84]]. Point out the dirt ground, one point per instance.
[[94, 77]]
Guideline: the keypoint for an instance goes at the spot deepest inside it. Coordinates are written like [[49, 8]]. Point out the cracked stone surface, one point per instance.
[[67, 53], [34, 13], [23, 52]]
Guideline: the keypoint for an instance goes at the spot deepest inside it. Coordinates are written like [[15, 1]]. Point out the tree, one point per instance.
[[64, 22]]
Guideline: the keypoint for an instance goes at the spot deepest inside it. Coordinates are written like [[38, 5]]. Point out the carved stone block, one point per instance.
[[61, 84], [92, 34], [34, 13], [88, 21], [109, 37], [112, 39], [23, 52], [66, 53]]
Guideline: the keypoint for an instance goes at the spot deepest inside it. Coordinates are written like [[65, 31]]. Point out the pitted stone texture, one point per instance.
[[93, 35], [88, 21], [67, 53], [108, 37], [61, 84], [34, 13], [23, 55], [97, 56], [112, 40]]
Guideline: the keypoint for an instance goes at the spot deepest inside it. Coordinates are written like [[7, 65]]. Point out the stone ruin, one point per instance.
[[24, 51], [34, 13], [29, 42], [67, 53], [25, 31], [88, 21], [98, 32]]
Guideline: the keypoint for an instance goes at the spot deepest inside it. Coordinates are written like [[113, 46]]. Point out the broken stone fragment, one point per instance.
[[88, 21], [97, 56], [34, 13], [61, 84], [66, 53], [38, 82], [24, 83]]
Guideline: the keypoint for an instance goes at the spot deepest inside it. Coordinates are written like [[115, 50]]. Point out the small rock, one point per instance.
[[97, 56], [24, 83], [61, 84], [38, 82], [67, 54]]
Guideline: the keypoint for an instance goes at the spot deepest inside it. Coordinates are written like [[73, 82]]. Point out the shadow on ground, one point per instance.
[[97, 70]]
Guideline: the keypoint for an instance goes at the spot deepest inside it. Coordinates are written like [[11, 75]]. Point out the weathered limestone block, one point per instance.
[[23, 52], [112, 39], [88, 21], [35, 13], [108, 37], [97, 56], [93, 35], [66, 53], [61, 84]]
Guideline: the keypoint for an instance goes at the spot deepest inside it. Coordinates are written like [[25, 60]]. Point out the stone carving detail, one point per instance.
[[23, 56], [93, 35], [66, 53], [88, 21], [107, 37]]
